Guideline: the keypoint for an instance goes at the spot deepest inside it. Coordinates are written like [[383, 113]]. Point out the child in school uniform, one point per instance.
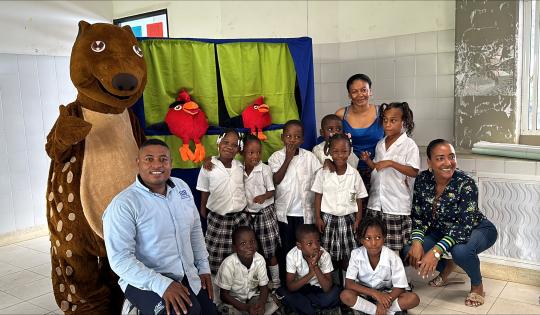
[[330, 125], [242, 278], [309, 282], [294, 169], [395, 166], [223, 198], [376, 279], [338, 203], [259, 188]]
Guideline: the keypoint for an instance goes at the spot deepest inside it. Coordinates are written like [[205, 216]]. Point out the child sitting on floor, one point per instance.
[[242, 278], [309, 281], [376, 279]]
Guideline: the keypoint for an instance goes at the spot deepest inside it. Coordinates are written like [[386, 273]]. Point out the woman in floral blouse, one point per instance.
[[446, 218]]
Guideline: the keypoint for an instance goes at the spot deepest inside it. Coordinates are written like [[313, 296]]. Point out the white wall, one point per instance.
[[34, 80], [46, 27], [38, 36], [324, 21]]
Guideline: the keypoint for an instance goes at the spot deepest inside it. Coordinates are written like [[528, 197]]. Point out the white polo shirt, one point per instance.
[[388, 274], [297, 265], [257, 183], [318, 150], [293, 195], [391, 190], [242, 282], [225, 185], [339, 192]]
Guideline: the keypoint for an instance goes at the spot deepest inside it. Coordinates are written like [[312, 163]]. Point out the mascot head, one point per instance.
[[107, 67]]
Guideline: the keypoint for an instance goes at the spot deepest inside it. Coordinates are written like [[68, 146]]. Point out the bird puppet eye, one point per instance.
[[256, 106], [178, 107]]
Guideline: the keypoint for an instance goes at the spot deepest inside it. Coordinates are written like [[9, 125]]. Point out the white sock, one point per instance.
[[395, 306], [274, 273], [364, 306]]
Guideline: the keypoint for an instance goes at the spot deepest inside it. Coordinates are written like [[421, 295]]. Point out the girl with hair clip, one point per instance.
[[338, 203], [395, 166], [223, 198], [260, 189]]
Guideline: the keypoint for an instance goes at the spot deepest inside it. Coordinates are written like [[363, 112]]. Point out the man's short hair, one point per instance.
[[304, 230], [153, 141]]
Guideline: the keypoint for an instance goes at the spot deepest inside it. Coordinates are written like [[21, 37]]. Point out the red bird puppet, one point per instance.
[[256, 117], [187, 121]]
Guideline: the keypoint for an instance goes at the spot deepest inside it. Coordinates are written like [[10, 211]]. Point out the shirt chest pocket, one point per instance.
[[383, 277]]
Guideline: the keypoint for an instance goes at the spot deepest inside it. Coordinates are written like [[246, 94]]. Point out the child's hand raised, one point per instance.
[[207, 163], [329, 165], [365, 156], [290, 151]]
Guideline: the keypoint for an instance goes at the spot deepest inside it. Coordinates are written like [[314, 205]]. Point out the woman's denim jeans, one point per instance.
[[465, 255]]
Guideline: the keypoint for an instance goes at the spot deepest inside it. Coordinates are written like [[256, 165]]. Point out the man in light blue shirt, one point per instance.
[[155, 242]]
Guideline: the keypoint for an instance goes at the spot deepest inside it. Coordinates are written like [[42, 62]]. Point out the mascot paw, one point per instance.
[[185, 153], [261, 136], [70, 129], [200, 153]]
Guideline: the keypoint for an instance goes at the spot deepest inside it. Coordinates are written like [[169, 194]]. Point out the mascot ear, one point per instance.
[[83, 25], [128, 28]]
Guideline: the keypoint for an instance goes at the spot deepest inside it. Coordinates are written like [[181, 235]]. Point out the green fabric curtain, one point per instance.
[[249, 70], [174, 65]]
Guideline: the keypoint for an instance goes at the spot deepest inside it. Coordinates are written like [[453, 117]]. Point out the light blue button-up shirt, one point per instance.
[[152, 239]]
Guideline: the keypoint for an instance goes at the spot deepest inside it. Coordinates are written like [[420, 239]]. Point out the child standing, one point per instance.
[[395, 166], [259, 188], [376, 279], [309, 281], [294, 170], [223, 198], [338, 202], [331, 125], [242, 278]]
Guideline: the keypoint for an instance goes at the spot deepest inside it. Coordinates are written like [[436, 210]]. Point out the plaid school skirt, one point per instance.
[[219, 236], [398, 228], [338, 237], [264, 223]]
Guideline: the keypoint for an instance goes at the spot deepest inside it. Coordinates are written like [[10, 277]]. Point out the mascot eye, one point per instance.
[[137, 50], [256, 106], [178, 107], [98, 46]]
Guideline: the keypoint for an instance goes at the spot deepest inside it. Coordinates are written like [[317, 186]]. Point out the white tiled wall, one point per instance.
[[31, 89], [417, 68]]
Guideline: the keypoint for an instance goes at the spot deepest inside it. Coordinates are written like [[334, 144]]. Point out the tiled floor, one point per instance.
[[25, 288]]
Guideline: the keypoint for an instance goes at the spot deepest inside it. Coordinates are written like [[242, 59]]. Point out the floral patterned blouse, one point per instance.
[[454, 215]]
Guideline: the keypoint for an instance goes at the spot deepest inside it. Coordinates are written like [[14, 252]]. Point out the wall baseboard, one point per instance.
[[23, 235]]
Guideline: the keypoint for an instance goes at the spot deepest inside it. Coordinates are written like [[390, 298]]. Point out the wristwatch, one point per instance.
[[437, 254]]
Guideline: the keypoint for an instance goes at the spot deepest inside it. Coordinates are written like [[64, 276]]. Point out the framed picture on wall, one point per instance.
[[149, 24]]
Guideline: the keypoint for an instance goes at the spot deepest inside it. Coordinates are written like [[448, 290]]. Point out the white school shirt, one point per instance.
[[339, 192], [318, 150], [391, 190], [297, 265], [242, 282], [388, 274], [225, 185], [258, 182], [293, 195]]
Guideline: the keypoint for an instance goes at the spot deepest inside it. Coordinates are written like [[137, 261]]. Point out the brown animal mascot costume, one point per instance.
[[93, 146]]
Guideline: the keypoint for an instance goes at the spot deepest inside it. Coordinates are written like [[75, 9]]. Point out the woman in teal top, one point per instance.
[[361, 120]]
